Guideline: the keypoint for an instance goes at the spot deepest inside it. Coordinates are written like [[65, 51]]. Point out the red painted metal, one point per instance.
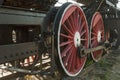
[[72, 34], [97, 34]]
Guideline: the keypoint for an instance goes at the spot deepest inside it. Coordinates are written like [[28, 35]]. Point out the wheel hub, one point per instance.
[[99, 36], [77, 39]]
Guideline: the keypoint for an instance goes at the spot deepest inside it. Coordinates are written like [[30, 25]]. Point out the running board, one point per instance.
[[15, 16]]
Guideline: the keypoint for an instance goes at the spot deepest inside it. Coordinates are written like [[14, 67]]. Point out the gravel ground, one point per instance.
[[106, 69]]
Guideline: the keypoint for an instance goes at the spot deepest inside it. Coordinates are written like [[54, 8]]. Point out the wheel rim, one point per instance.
[[72, 34], [97, 35]]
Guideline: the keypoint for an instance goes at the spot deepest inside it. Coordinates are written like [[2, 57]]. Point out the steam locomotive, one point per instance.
[[70, 32]]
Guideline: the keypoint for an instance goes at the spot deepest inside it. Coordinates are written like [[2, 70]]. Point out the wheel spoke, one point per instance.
[[78, 62], [96, 21], [81, 27], [72, 22], [73, 62], [66, 50], [82, 33], [95, 30], [94, 43], [68, 57], [79, 22], [93, 33], [65, 36], [70, 61], [75, 20], [94, 38], [66, 29], [65, 43], [70, 25], [83, 39]]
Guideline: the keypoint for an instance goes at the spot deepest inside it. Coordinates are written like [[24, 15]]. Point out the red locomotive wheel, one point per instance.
[[97, 35], [71, 33]]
